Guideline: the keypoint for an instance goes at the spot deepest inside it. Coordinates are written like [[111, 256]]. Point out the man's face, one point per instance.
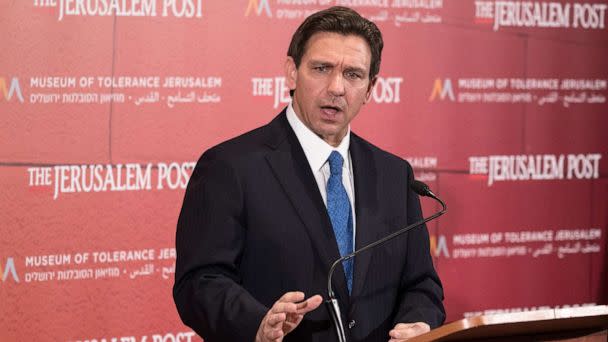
[[331, 83]]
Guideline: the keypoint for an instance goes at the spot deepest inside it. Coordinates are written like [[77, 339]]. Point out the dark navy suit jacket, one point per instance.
[[253, 226]]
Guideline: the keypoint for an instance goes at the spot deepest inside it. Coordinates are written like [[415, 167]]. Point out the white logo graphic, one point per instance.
[[258, 6], [540, 91], [387, 89], [555, 243], [9, 269], [536, 167], [442, 90], [541, 14], [108, 177], [124, 8], [14, 89], [439, 246]]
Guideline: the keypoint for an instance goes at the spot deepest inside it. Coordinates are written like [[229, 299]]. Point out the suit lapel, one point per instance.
[[292, 170], [366, 207]]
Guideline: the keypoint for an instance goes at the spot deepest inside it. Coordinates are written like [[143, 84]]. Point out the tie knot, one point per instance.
[[335, 163]]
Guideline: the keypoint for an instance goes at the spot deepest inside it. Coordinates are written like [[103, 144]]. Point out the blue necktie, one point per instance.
[[340, 214]]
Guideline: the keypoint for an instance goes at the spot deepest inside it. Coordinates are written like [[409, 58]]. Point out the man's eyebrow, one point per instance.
[[319, 62], [315, 62], [356, 69]]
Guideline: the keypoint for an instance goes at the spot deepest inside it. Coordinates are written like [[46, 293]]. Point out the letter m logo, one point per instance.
[[442, 90], [258, 7], [9, 268], [439, 246], [13, 89]]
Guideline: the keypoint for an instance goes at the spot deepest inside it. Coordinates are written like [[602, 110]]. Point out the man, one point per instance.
[[267, 213]]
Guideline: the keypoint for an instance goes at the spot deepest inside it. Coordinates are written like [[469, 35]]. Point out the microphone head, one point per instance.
[[420, 188]]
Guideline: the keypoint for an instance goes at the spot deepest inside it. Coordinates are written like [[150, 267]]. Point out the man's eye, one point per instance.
[[353, 75], [321, 68]]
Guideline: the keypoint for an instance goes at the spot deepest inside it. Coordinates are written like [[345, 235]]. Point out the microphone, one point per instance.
[[332, 303]]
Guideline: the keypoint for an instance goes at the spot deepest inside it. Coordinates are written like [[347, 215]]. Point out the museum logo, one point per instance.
[[259, 7], [9, 272], [13, 89]]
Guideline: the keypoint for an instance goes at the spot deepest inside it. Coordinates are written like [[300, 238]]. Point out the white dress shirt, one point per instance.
[[317, 152]]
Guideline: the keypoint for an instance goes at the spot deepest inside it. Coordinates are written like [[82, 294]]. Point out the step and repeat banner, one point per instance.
[[105, 106]]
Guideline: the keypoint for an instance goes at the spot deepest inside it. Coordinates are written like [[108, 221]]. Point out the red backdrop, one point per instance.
[[105, 105]]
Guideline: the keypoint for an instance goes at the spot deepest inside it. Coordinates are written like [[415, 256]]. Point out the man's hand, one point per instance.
[[285, 315], [404, 331]]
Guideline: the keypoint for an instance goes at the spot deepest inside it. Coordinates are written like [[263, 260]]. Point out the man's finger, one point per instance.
[[292, 297], [274, 334], [310, 304], [293, 318], [275, 320], [400, 326], [286, 314], [408, 330], [279, 307]]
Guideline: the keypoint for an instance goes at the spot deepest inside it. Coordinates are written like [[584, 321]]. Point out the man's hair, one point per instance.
[[342, 20]]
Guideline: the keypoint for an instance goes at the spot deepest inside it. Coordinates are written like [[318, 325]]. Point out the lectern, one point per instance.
[[587, 324]]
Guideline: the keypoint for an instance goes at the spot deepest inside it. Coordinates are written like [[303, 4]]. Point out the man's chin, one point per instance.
[[331, 136]]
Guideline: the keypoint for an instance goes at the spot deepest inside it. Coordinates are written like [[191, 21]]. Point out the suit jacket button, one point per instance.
[[351, 324]]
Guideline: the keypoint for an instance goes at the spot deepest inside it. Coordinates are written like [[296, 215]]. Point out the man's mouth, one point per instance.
[[330, 110]]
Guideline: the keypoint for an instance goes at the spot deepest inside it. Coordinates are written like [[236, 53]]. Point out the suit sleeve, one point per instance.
[[421, 292], [209, 242]]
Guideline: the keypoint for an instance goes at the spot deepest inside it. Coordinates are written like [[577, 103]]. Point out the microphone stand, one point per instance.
[[332, 303]]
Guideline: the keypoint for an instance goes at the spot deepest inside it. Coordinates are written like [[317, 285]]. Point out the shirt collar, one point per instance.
[[316, 149]]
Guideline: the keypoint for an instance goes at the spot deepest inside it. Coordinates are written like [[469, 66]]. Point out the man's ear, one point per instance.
[[291, 73], [370, 87]]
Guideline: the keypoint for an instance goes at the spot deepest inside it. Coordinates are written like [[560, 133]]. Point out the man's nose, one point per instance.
[[336, 84]]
